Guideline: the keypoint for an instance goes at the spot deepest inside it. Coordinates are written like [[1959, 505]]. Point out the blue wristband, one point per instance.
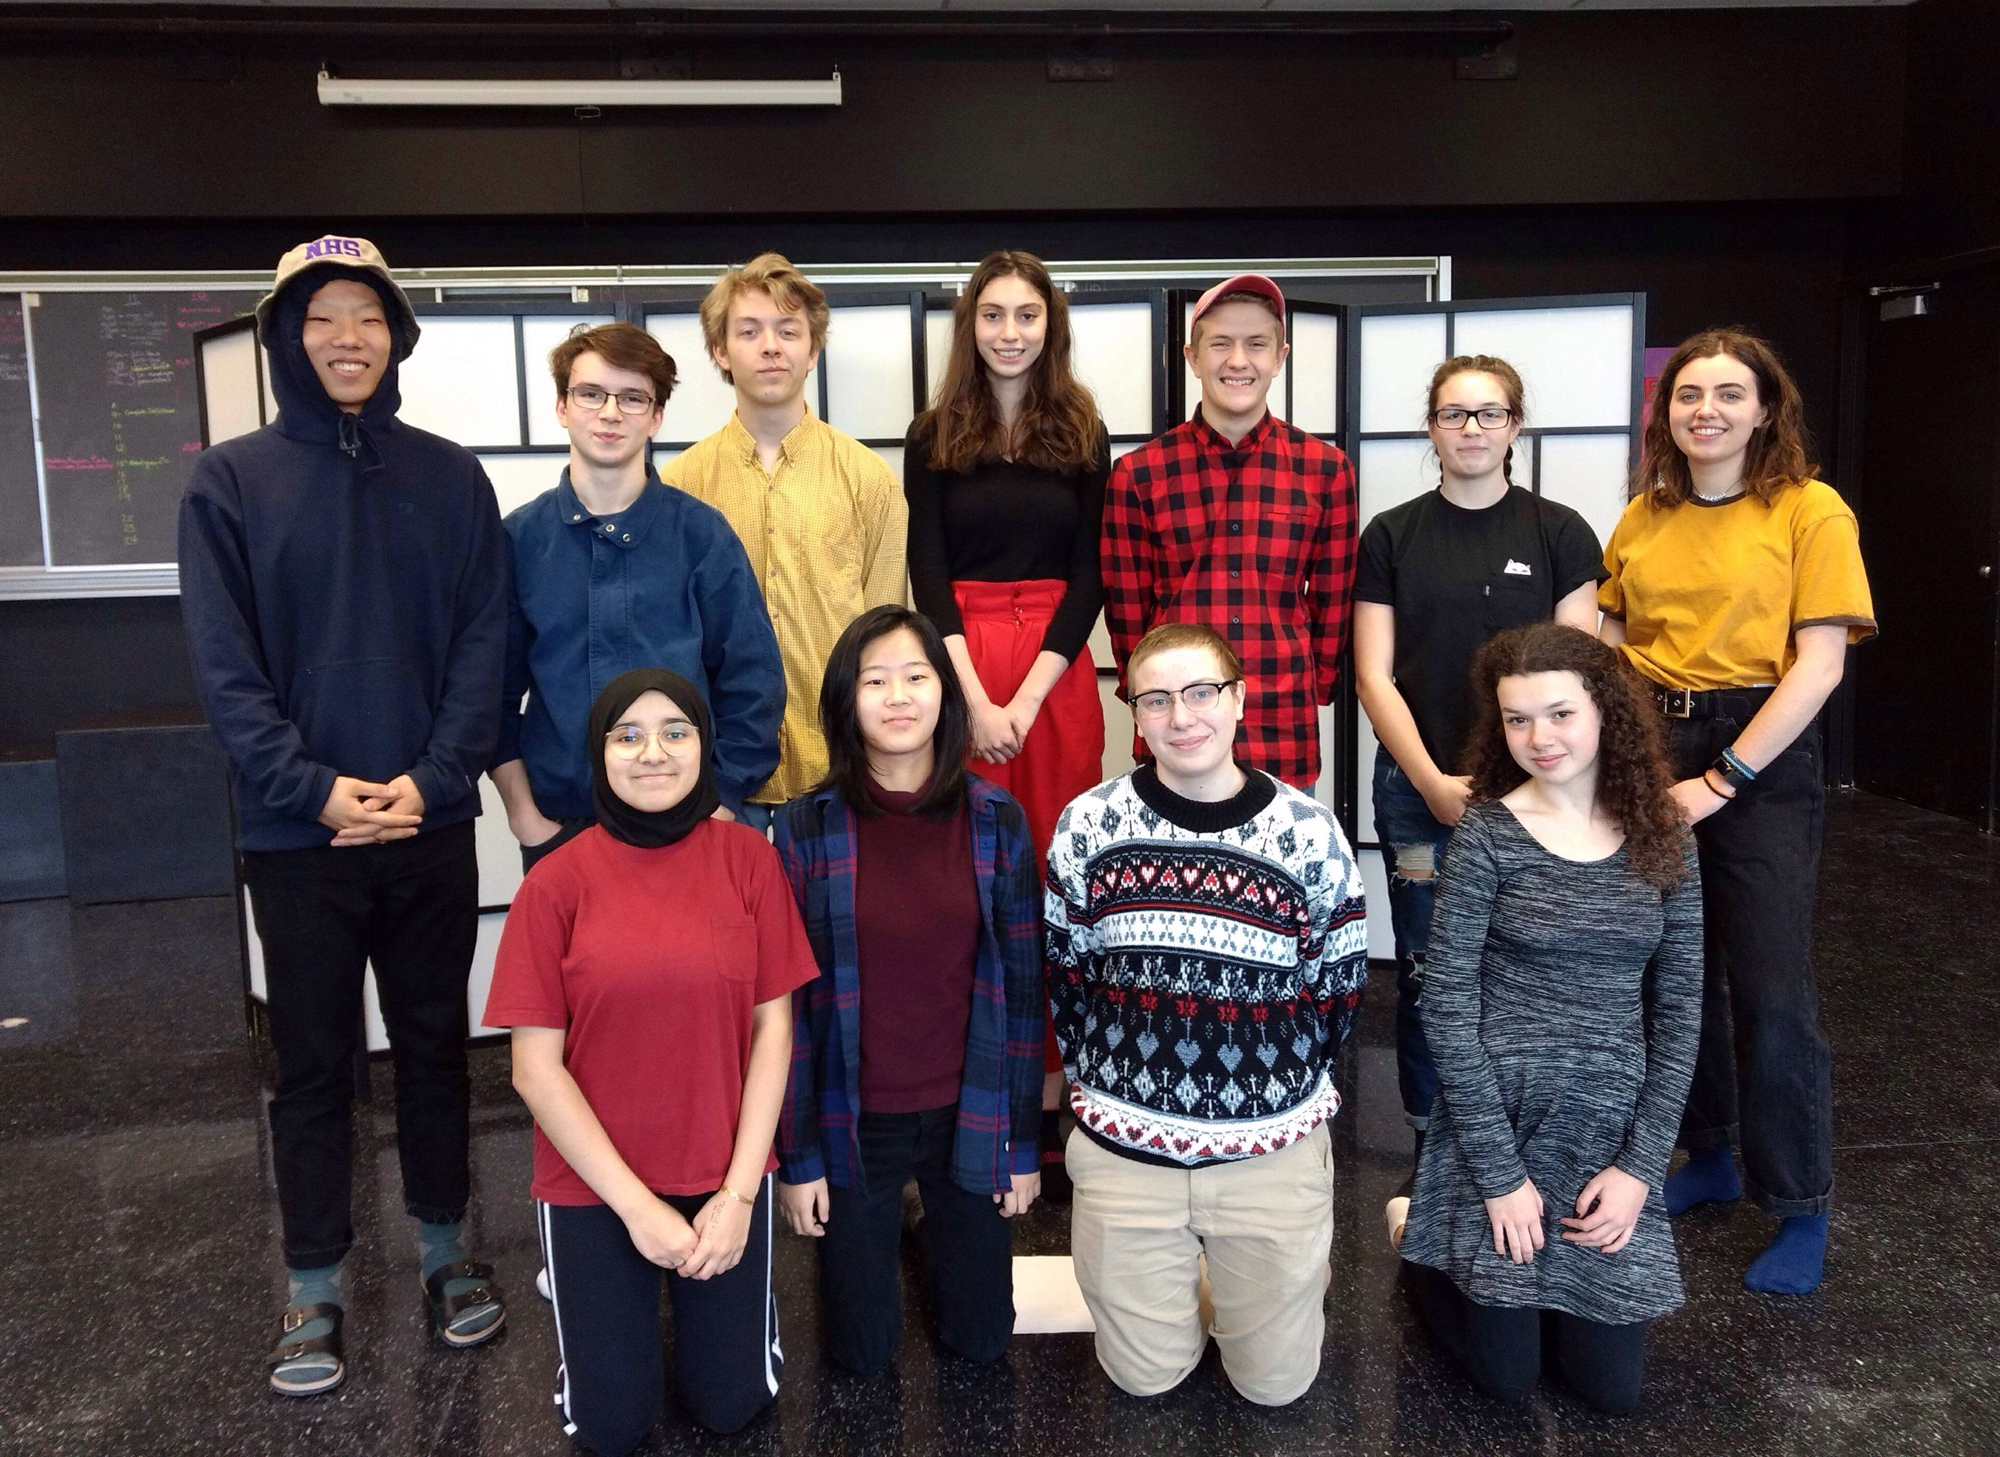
[[1729, 756]]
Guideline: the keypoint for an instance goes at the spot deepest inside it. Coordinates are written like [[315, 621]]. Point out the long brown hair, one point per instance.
[[1633, 778], [1510, 385], [1057, 429], [1780, 453]]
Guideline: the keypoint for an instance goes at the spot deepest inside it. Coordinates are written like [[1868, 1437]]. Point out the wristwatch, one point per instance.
[[1732, 771]]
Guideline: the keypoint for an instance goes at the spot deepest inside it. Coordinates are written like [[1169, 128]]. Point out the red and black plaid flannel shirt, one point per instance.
[[1258, 541]]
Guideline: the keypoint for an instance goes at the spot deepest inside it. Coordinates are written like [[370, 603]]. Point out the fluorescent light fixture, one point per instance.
[[336, 91]]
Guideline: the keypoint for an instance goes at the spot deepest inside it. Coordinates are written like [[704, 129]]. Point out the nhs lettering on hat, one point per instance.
[[329, 247]]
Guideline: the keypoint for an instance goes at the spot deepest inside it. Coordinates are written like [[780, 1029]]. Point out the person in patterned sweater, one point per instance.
[[1207, 947], [1239, 520]]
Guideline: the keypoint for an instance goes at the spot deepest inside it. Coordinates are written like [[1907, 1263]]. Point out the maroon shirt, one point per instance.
[[917, 925]]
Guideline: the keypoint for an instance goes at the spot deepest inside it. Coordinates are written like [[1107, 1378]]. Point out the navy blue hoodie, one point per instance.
[[344, 587]]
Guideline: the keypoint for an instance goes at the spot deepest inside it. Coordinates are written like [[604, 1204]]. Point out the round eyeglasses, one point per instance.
[[628, 740], [590, 397], [1493, 417], [1197, 696]]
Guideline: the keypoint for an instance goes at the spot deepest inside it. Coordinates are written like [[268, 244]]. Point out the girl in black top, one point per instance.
[[1005, 478]]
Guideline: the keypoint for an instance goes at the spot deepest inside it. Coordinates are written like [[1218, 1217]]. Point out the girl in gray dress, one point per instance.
[[1563, 997]]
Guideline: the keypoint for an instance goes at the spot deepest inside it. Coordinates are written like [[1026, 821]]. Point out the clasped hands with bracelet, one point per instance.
[[1607, 1211], [711, 1245]]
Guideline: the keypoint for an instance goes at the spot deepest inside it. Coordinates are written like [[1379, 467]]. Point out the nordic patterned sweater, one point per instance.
[[1205, 961]]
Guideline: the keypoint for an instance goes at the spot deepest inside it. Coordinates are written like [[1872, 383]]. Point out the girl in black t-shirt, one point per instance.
[[1438, 577]]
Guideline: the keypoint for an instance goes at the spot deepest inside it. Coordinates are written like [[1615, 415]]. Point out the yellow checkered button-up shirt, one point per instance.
[[825, 535]]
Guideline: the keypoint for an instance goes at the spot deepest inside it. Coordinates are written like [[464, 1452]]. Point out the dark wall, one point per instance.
[[1608, 108]]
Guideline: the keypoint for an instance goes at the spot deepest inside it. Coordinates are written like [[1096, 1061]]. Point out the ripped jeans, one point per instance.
[[1412, 844]]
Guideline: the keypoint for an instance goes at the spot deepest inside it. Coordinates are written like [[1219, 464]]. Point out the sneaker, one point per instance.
[[542, 1284], [1396, 1213]]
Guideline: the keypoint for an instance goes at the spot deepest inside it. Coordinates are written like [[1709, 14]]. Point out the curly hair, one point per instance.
[[1633, 778], [1780, 452]]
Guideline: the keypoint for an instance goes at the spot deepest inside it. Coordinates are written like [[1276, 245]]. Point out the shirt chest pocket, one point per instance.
[[1514, 601], [1279, 539], [732, 948]]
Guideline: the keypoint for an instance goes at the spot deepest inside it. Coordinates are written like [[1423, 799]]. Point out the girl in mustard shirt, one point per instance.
[[1734, 587]]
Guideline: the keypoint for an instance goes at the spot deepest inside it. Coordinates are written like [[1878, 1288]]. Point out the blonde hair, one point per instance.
[[1171, 635], [770, 273]]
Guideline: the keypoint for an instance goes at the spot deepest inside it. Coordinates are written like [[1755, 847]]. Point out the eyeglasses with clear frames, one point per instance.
[[1451, 417], [590, 397], [1198, 697], [678, 738]]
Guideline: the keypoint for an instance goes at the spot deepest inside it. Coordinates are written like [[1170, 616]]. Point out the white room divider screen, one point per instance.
[[1583, 362], [1357, 376]]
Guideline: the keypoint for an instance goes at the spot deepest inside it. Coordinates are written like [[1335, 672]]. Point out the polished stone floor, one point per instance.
[[139, 1269]]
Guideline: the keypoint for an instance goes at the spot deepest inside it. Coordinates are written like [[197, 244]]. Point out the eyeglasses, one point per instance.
[[1196, 696], [628, 740], [590, 397], [1493, 417]]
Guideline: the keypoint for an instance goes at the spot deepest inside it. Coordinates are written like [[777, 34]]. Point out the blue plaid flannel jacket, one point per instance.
[[1000, 1095]]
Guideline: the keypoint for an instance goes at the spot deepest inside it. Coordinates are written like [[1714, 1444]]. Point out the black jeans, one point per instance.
[[1763, 1078], [411, 907], [1502, 1348], [605, 1296], [971, 1248]]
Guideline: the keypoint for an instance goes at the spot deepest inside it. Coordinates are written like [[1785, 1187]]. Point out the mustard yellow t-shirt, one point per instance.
[[1711, 594]]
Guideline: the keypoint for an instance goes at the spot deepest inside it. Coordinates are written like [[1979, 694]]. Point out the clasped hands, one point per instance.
[[709, 1246], [360, 812], [1607, 1211], [999, 731]]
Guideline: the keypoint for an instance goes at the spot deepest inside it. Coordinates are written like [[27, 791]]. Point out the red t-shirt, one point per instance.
[[651, 960]]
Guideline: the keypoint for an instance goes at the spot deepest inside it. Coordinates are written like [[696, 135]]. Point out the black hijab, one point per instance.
[[650, 829]]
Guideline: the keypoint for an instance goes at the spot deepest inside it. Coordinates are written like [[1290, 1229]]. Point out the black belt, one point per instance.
[[1703, 703]]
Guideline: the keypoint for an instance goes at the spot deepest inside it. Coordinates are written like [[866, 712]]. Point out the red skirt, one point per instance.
[[1064, 752]]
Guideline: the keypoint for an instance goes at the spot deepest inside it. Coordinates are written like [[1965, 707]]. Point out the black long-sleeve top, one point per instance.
[[1003, 522]]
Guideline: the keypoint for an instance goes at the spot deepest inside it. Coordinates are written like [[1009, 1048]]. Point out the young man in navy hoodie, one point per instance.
[[344, 586]]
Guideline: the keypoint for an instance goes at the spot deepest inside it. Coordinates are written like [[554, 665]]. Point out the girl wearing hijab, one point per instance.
[[918, 1050], [646, 972]]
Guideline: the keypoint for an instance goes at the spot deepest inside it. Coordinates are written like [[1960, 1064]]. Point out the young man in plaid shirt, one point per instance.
[[1238, 520]]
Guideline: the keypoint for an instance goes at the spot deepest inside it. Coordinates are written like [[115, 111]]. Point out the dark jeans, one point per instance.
[[1411, 838], [970, 1248], [411, 907], [606, 1299], [569, 831], [1501, 1348], [1763, 1077]]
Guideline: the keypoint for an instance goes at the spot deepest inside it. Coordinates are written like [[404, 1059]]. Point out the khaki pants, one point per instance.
[[1139, 1233]]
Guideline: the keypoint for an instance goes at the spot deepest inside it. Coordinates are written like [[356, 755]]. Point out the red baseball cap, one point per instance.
[[1255, 283]]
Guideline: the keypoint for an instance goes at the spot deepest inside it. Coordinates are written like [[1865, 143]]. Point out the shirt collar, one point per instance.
[[1213, 439], [745, 444], [628, 528]]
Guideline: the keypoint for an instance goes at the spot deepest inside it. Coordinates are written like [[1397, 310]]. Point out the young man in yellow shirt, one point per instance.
[[819, 513]]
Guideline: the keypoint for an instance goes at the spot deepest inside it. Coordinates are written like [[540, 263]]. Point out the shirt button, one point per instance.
[[577, 517], [626, 537], [1236, 526], [1235, 621], [1235, 574]]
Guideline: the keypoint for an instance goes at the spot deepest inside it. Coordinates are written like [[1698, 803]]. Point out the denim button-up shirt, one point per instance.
[[662, 584]]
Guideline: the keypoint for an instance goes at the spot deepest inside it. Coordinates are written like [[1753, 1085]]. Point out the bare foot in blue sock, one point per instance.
[[1796, 1259], [1708, 1177]]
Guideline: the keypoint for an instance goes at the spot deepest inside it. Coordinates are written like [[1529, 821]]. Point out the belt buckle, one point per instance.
[[1676, 703]]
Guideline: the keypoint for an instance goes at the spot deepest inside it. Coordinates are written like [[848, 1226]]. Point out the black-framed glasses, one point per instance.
[[1451, 417], [1158, 702], [590, 397]]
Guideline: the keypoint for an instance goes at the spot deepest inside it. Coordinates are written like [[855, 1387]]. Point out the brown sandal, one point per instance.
[[471, 1317], [312, 1365]]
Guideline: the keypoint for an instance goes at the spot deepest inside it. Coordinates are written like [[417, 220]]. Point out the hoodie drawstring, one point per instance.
[[350, 433]]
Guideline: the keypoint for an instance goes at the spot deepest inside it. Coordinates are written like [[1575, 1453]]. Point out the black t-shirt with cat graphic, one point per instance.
[[1457, 577]]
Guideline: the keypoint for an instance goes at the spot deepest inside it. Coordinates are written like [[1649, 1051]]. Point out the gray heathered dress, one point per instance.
[[1558, 1055]]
